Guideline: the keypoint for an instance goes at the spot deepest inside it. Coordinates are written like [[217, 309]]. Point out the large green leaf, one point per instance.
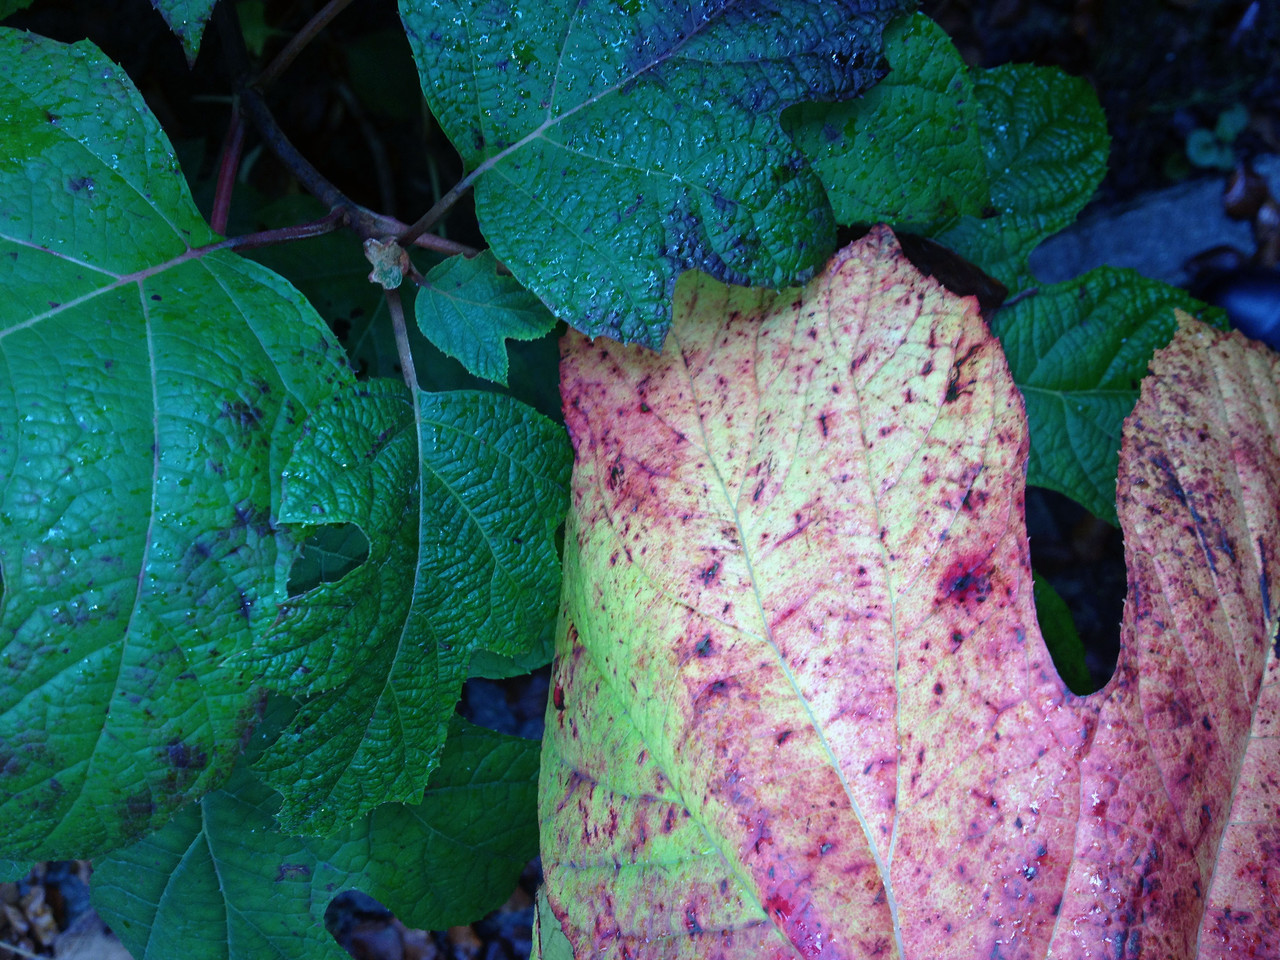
[[220, 882], [1046, 152], [1078, 351], [618, 144], [989, 162], [459, 504], [151, 396], [908, 152]]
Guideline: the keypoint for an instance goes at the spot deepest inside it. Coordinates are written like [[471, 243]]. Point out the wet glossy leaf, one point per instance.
[[1046, 152], [187, 19], [909, 151], [469, 311], [153, 392], [801, 706], [1078, 351], [220, 882], [988, 162], [459, 504], [617, 144]]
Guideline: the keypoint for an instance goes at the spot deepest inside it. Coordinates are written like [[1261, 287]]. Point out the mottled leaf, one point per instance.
[[151, 395], [549, 941], [459, 504], [219, 882], [1078, 351], [802, 707], [616, 144], [469, 311]]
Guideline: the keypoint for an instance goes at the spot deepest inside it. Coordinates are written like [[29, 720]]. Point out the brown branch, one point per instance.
[[299, 40]]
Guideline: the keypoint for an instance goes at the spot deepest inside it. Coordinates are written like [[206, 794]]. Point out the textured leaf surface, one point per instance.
[[1078, 350], [549, 941], [909, 151], [1046, 152], [801, 706], [989, 162], [470, 311], [459, 505], [150, 397], [219, 882], [645, 126]]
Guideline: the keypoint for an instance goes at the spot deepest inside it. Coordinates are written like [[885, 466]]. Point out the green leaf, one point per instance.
[[1060, 636], [220, 882], [10, 7], [909, 151], [549, 941], [1046, 152], [469, 311], [14, 870], [187, 19], [988, 162], [459, 505], [617, 144], [1077, 351], [152, 392], [327, 555]]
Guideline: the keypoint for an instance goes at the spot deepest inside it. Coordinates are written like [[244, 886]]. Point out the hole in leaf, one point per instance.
[[1082, 559], [328, 554]]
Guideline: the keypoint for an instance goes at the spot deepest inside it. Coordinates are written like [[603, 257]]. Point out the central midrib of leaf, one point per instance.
[[881, 864], [554, 119]]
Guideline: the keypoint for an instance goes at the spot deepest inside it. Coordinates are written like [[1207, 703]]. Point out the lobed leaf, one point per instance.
[[618, 144], [801, 705], [988, 162], [219, 882], [1077, 351], [151, 394], [908, 151], [459, 503], [469, 311]]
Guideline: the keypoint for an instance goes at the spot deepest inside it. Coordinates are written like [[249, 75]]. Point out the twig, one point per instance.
[[366, 223], [232, 145], [438, 209], [299, 40], [20, 951], [396, 309], [267, 238]]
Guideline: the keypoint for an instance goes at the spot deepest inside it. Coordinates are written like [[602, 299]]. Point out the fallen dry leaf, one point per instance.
[[801, 705]]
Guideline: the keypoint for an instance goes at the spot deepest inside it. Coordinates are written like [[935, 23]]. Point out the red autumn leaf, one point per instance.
[[802, 707]]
